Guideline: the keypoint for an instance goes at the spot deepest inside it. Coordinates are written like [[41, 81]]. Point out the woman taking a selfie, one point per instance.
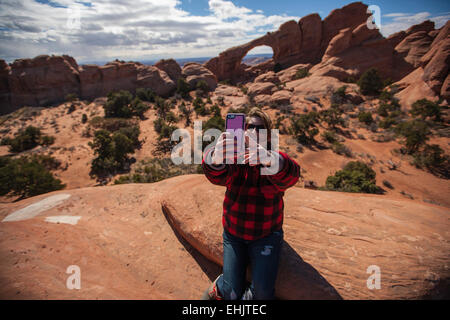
[[252, 210]]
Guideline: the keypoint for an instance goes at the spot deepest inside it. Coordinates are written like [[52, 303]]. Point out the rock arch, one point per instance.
[[285, 43]]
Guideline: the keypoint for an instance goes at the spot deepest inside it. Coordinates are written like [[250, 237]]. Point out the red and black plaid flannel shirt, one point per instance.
[[253, 204]]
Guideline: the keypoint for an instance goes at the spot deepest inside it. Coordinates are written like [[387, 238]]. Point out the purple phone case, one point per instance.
[[234, 122]]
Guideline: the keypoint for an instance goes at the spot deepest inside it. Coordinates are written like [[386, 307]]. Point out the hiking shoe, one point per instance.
[[212, 293]]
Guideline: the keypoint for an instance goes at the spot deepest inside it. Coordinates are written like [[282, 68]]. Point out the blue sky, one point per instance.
[[103, 30], [322, 7]]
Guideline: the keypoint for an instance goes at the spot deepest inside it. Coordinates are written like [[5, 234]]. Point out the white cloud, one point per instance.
[[402, 21], [126, 29]]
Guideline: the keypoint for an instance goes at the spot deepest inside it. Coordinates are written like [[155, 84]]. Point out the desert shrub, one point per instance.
[[370, 83], [27, 139], [117, 105], [303, 127], [356, 176], [338, 96], [186, 113], [112, 150], [341, 149], [84, 118], [183, 88], [416, 133], [71, 97], [425, 108], [145, 94], [332, 116], [200, 108], [47, 140], [302, 73], [432, 157], [171, 117], [365, 117], [111, 124], [329, 136], [27, 176], [154, 170], [162, 107], [202, 86]]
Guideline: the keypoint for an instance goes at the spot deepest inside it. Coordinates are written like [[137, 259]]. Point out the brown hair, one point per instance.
[[257, 112]]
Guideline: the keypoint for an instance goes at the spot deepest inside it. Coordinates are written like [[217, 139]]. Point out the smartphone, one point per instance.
[[235, 123]]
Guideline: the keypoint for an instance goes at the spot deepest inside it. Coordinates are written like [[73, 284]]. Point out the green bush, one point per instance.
[[111, 124], [365, 117], [162, 107], [329, 136], [356, 176], [416, 133], [432, 157], [118, 105], [302, 73], [370, 83], [186, 112], [145, 94], [27, 139], [27, 177], [183, 88], [84, 118], [71, 97], [425, 108], [303, 127], [338, 97], [112, 150], [332, 116], [200, 108], [202, 86], [341, 149], [154, 170]]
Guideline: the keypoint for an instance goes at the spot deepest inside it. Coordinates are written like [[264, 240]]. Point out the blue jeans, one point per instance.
[[263, 255]]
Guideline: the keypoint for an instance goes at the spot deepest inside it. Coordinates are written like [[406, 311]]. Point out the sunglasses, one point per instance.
[[256, 126]]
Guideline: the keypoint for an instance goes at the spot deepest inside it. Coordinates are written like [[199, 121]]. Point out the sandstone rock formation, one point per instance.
[[43, 80], [171, 67], [195, 72], [290, 43], [129, 242], [46, 80], [331, 239]]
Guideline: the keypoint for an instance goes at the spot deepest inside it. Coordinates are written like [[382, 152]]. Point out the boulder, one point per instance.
[[318, 86], [290, 73], [259, 88], [262, 99], [195, 72], [171, 67], [282, 97], [333, 241], [268, 77]]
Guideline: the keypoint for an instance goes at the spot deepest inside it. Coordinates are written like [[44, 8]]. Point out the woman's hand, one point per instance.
[[224, 143], [256, 154]]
